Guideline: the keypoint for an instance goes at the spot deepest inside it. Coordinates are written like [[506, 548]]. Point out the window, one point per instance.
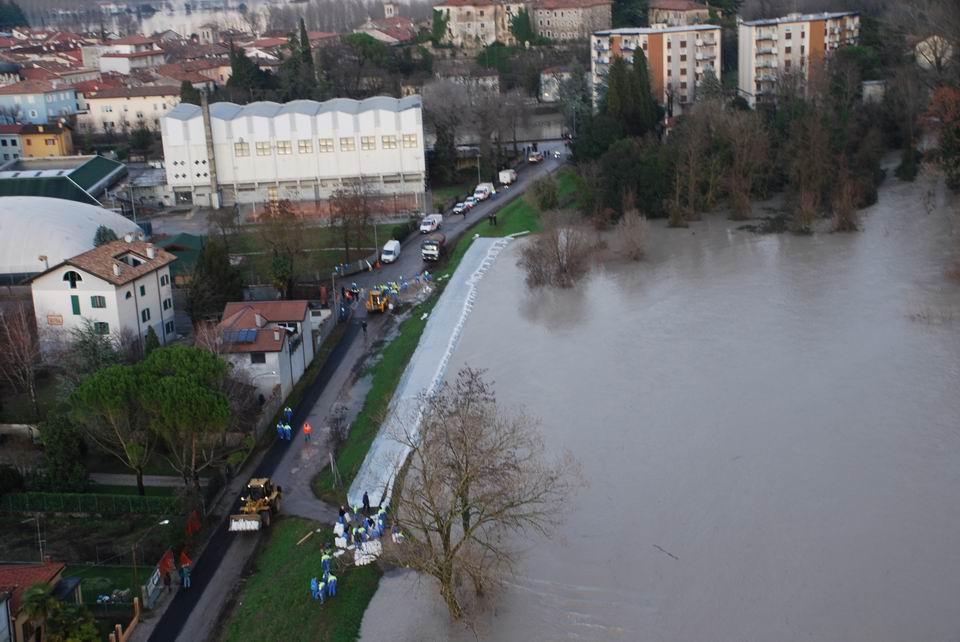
[[284, 148], [258, 357], [128, 295], [305, 146], [29, 143], [165, 279], [101, 328], [98, 302], [409, 140], [683, 44], [326, 144], [143, 290], [789, 35], [49, 142], [168, 327], [73, 278], [786, 64], [145, 315], [3, 143], [388, 142], [263, 149], [787, 49], [167, 304], [273, 193], [75, 303], [669, 58], [683, 57], [683, 85], [348, 144], [683, 71], [107, 109], [13, 142], [368, 142], [241, 150]]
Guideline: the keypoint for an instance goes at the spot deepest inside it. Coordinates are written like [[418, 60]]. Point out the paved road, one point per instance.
[[192, 614]]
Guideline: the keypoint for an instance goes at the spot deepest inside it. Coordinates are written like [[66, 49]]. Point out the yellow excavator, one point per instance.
[[261, 501], [377, 300]]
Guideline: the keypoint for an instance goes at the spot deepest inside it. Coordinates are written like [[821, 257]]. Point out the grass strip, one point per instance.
[[152, 491], [275, 604]]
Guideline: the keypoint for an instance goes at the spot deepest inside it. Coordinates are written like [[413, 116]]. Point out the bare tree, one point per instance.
[[559, 255], [283, 235], [844, 202], [20, 351], [632, 234], [747, 141], [350, 210], [809, 149], [476, 477]]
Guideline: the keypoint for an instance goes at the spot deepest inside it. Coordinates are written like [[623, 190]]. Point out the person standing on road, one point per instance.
[[279, 430], [287, 432], [287, 415], [363, 326], [307, 429]]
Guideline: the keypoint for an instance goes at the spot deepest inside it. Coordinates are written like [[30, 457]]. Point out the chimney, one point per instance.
[[151, 251], [211, 158], [276, 335], [128, 238], [258, 320], [116, 269]]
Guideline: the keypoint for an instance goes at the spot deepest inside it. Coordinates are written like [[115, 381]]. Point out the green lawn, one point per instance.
[[102, 580], [442, 196], [275, 603], [100, 462], [567, 184], [152, 491]]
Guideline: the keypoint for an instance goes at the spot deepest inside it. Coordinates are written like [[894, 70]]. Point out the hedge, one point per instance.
[[87, 503]]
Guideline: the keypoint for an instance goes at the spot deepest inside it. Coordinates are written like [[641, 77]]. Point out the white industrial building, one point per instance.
[[121, 286], [300, 151]]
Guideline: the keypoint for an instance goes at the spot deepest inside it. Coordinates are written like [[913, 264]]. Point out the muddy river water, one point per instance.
[[770, 430]]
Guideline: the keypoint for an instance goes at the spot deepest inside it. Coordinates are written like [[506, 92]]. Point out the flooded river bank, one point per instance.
[[770, 430]]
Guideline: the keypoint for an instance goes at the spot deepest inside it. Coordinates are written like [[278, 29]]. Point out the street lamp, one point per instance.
[[136, 570], [39, 541]]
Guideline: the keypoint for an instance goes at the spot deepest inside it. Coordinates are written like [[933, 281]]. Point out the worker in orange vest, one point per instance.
[[307, 429]]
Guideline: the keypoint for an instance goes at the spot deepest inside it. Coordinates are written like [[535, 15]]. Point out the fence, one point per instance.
[[87, 503]]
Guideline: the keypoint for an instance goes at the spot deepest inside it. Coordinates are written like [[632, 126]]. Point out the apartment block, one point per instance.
[[677, 58], [674, 13], [120, 109], [569, 19], [478, 23], [792, 44]]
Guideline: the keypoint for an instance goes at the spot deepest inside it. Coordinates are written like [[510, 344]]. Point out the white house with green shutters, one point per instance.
[[120, 287]]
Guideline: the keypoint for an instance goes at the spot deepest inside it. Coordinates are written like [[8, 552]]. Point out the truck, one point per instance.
[[484, 191], [431, 249], [257, 505], [508, 176]]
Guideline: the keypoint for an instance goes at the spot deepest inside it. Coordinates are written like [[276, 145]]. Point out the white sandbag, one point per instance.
[[338, 529], [340, 542]]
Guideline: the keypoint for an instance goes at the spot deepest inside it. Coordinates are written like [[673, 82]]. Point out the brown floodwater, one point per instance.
[[770, 430]]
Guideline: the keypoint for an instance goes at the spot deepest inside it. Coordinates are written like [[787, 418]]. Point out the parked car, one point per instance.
[[460, 208], [471, 202], [431, 223], [535, 157], [484, 191], [390, 251]]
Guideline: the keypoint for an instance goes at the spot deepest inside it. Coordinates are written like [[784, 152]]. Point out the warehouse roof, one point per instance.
[[231, 111]]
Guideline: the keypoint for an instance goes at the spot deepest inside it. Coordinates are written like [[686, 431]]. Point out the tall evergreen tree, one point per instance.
[[647, 112], [306, 54], [11, 15], [247, 81], [189, 93], [614, 101]]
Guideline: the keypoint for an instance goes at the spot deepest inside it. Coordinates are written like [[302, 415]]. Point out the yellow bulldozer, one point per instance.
[[258, 504]]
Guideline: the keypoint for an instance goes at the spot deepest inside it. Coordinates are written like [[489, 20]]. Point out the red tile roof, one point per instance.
[[398, 28], [136, 54], [268, 43], [243, 316], [274, 311], [100, 261], [569, 4], [466, 3], [133, 40], [17, 578], [10, 129], [27, 87], [135, 92]]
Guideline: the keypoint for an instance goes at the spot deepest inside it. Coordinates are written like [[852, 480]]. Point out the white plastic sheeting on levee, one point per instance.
[[424, 373]]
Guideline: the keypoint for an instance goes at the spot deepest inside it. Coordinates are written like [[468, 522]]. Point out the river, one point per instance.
[[769, 426]]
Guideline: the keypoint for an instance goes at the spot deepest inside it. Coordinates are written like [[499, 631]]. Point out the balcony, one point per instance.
[[767, 51], [766, 78], [767, 35], [706, 55]]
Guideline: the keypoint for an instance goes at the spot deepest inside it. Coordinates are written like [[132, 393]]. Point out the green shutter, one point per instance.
[[75, 302]]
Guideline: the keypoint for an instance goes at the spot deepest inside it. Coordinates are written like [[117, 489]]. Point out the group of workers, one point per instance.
[[285, 431], [326, 586], [367, 526]]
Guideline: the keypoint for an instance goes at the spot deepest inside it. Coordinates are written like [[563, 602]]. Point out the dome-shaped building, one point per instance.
[[38, 232]]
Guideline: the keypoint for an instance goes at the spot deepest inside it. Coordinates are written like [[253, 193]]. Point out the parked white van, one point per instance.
[[390, 251], [431, 223]]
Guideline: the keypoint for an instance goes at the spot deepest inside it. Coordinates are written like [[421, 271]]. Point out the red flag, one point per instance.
[[184, 560], [166, 562], [193, 523]]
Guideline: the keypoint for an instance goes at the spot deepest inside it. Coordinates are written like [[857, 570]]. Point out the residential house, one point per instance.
[[42, 141], [676, 13], [57, 74], [121, 287], [569, 19], [10, 146], [15, 579], [794, 44], [392, 31], [271, 340], [208, 33], [130, 53], [123, 108], [301, 150], [478, 23], [36, 102], [677, 59]]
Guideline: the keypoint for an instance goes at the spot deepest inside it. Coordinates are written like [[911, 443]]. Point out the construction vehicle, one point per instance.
[[377, 300], [257, 505]]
